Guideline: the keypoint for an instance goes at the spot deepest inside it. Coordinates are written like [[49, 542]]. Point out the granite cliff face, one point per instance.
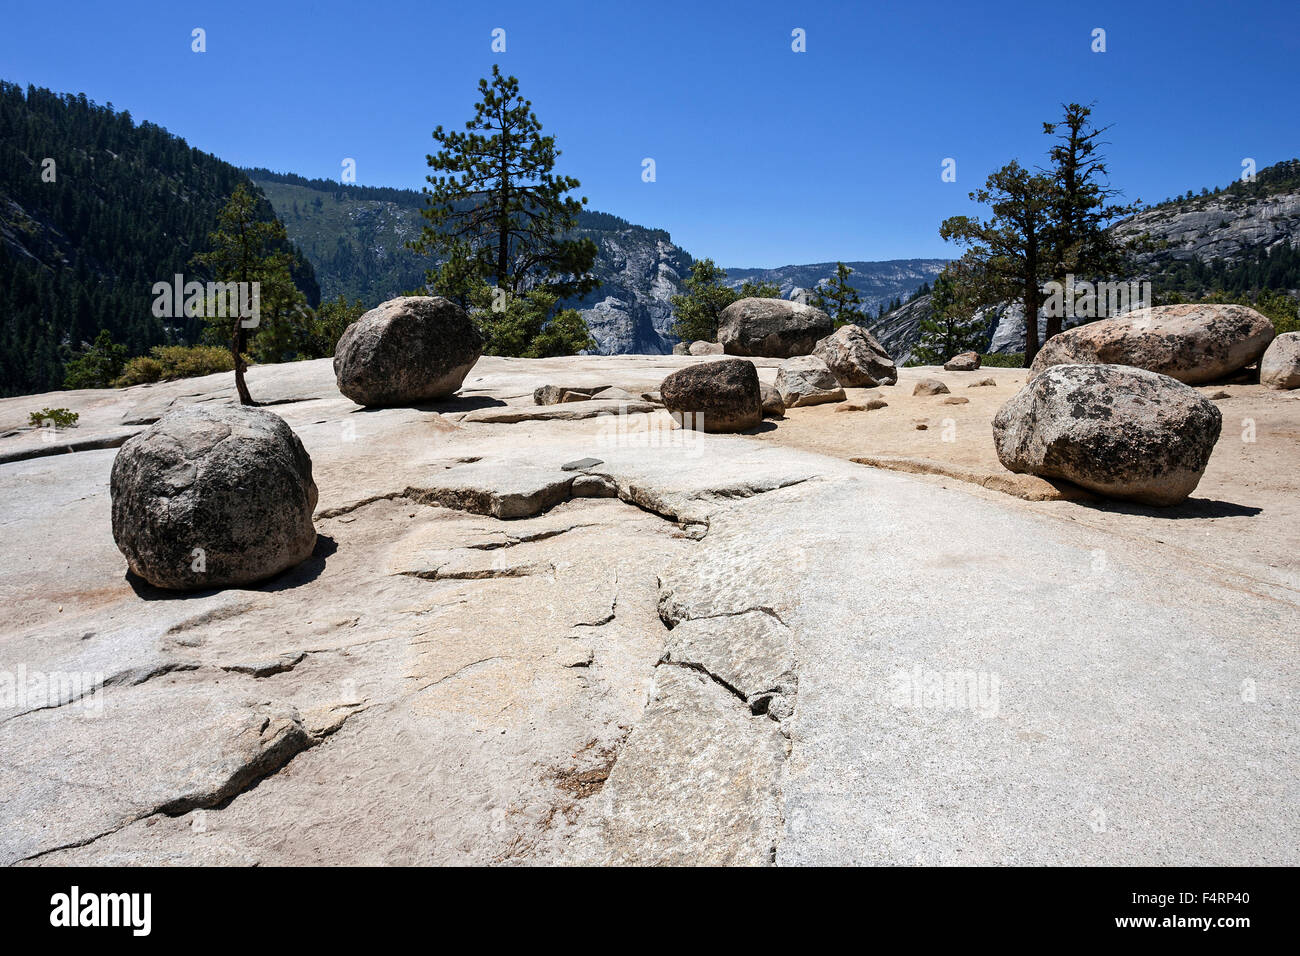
[[1229, 226], [639, 271], [877, 282]]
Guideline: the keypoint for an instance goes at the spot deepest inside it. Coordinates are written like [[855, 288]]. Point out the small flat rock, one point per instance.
[[982, 383], [955, 400], [567, 412], [501, 489], [581, 464]]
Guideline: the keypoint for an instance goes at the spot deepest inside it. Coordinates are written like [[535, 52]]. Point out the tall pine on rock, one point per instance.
[[499, 216], [1077, 240], [1007, 252]]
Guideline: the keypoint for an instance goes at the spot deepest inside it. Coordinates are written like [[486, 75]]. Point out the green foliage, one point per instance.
[[167, 362], [1044, 225], [327, 326], [497, 214], [527, 325], [1077, 239], [952, 326], [56, 417], [1002, 360], [128, 206], [838, 299], [704, 297], [749, 289], [96, 366], [1006, 252]]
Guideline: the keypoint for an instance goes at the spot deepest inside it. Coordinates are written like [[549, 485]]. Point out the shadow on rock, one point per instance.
[[302, 573], [1191, 508]]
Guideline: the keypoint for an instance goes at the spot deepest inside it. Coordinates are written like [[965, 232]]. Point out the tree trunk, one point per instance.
[[237, 348], [1033, 296]]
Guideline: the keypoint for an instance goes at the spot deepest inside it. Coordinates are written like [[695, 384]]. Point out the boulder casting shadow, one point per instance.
[[303, 573]]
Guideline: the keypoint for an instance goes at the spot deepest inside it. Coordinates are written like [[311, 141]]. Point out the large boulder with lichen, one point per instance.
[[213, 496], [1194, 343], [1119, 431], [408, 350], [718, 396], [771, 328]]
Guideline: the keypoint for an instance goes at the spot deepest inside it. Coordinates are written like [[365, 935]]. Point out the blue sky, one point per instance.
[[763, 156]]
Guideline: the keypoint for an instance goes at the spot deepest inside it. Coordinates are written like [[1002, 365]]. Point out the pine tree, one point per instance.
[[838, 299], [1077, 240], [1007, 251], [96, 366], [496, 211], [248, 249], [700, 303], [951, 327]]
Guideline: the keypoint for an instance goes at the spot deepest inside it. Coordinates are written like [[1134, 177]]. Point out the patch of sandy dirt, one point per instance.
[[1244, 516]]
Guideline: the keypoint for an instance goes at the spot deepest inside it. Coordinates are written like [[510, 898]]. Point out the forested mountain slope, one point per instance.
[[94, 209]]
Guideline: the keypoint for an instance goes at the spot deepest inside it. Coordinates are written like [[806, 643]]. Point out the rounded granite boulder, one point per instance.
[[772, 328], [1193, 343], [718, 396], [408, 350], [213, 496], [1119, 431], [1280, 366]]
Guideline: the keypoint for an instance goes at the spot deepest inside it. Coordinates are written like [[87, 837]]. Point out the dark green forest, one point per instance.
[[83, 240]]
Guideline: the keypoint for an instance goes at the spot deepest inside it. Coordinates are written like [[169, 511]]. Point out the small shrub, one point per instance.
[[167, 362], [1003, 360], [138, 371], [58, 417]]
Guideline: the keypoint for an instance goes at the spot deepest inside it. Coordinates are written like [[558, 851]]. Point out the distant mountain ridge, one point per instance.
[[355, 237], [878, 283]]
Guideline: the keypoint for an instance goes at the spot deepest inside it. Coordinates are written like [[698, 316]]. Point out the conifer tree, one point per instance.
[[248, 249], [498, 215], [838, 299], [951, 327]]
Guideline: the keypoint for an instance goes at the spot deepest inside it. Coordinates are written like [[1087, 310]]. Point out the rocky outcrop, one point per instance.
[[965, 362], [409, 350], [772, 328], [1120, 431], [719, 396], [1192, 343], [1280, 366], [856, 359], [213, 496], [639, 271], [806, 380]]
